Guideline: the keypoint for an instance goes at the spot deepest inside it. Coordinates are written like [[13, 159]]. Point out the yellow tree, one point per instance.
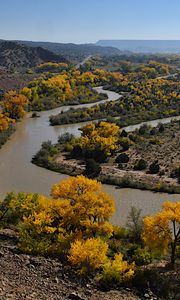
[[14, 104], [162, 231], [89, 208], [5, 122], [98, 140], [79, 210]]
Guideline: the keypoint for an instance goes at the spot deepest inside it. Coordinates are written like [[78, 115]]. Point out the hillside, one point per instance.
[[16, 56], [73, 51], [35, 277], [143, 46]]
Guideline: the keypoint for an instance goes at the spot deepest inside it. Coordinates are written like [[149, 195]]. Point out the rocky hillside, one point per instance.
[[39, 278], [16, 56], [74, 52]]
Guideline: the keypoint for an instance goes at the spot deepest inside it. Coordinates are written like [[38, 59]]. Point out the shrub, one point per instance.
[[155, 141], [135, 223], [115, 246], [150, 278], [122, 158], [123, 133], [141, 165], [125, 143], [176, 174], [93, 168], [161, 128], [17, 206], [153, 131], [119, 232], [46, 145], [65, 138], [88, 255], [117, 271], [143, 129], [154, 168], [133, 137], [76, 151], [53, 151], [34, 115], [142, 257]]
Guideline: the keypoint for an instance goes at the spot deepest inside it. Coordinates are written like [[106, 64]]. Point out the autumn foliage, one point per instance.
[[98, 140], [14, 105], [5, 122], [162, 231], [78, 210], [88, 255], [117, 270]]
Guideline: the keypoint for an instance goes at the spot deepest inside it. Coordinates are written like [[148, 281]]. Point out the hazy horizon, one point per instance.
[[86, 43]]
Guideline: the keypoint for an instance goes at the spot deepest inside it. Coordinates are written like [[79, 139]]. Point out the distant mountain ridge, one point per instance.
[[73, 51], [17, 56], [143, 46]]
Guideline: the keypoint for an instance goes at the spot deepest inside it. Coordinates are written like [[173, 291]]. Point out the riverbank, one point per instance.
[[114, 176], [5, 135]]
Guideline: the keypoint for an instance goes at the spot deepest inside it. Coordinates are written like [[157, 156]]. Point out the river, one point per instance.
[[17, 173]]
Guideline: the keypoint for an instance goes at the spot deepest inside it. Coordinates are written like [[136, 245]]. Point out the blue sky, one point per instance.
[[89, 20]]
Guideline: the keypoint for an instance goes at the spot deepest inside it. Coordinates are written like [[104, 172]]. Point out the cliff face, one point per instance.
[[16, 56]]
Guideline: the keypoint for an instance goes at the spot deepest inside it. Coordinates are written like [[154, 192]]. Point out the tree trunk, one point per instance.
[[173, 252]]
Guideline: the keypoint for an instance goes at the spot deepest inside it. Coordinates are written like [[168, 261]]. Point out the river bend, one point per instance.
[[17, 173]]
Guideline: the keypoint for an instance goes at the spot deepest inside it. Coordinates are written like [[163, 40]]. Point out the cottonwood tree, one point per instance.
[[162, 231]]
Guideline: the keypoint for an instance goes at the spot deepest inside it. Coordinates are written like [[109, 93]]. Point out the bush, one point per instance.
[[46, 145], [161, 128], [34, 115], [93, 168], [143, 129], [149, 278], [15, 207], [153, 131], [123, 133], [88, 255], [125, 143], [176, 174], [154, 168], [76, 151], [133, 137], [65, 138], [117, 271], [141, 165], [122, 158], [119, 232], [115, 246], [142, 257], [155, 141]]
